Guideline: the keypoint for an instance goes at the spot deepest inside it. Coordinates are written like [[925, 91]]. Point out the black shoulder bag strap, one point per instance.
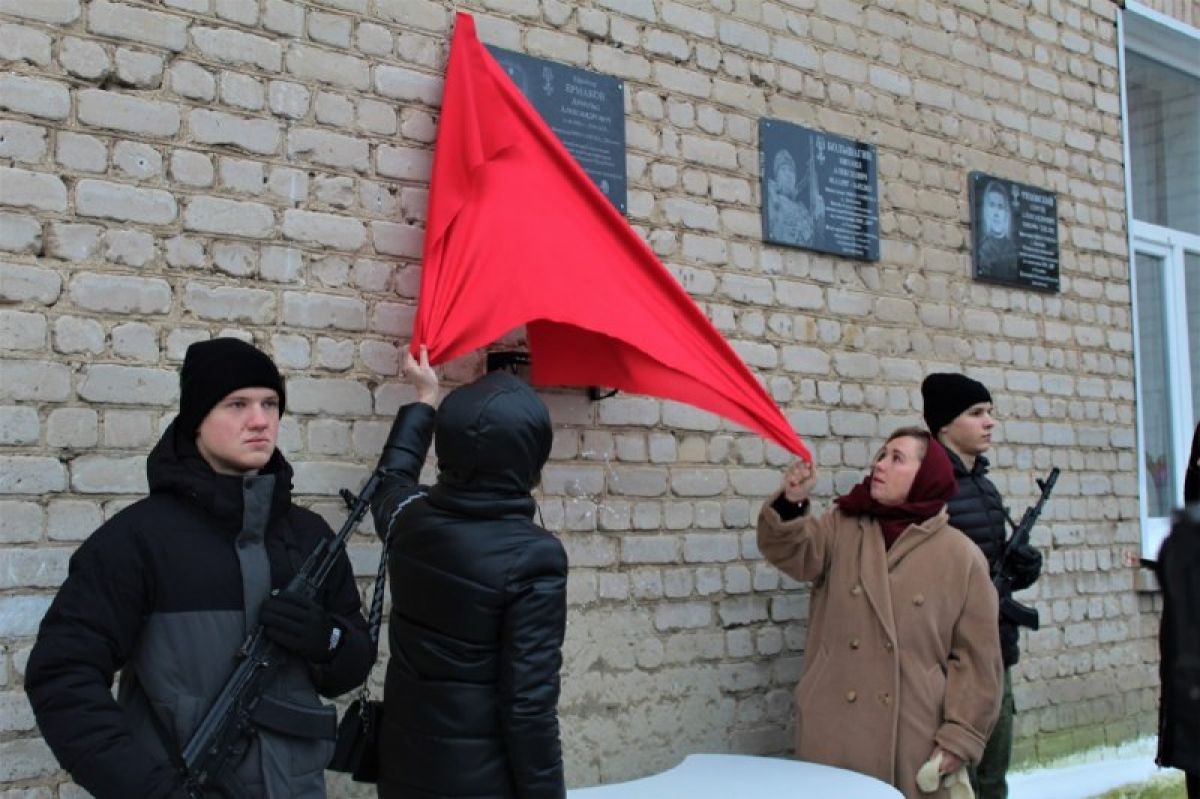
[[357, 737], [375, 619]]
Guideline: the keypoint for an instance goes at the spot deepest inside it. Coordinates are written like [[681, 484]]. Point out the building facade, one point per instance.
[[172, 170]]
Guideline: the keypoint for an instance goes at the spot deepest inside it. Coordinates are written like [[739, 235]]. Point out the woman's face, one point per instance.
[[895, 469], [996, 216]]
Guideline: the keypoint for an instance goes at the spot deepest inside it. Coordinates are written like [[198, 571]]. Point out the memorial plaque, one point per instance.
[[584, 109], [819, 190], [1014, 233]]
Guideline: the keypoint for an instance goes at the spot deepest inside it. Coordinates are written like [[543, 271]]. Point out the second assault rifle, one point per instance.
[[1002, 577], [229, 725]]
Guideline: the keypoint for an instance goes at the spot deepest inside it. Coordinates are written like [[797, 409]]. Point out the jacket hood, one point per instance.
[[492, 436], [176, 467]]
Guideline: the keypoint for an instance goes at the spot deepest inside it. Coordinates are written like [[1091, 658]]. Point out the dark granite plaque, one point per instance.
[[1014, 233], [586, 110], [819, 191]]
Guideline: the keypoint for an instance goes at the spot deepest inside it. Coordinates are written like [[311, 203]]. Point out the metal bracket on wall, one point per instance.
[[512, 360], [507, 359]]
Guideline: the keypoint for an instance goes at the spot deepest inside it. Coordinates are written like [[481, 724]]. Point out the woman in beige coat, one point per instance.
[[903, 660]]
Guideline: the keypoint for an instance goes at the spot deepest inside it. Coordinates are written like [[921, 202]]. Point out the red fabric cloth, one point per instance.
[[932, 487], [518, 234]]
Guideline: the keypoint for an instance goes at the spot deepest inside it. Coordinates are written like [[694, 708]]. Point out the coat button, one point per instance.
[[919, 599], [851, 696], [856, 590], [885, 698], [888, 646], [854, 643]]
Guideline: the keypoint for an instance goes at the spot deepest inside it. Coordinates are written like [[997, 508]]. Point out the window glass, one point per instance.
[[1164, 143], [1153, 364]]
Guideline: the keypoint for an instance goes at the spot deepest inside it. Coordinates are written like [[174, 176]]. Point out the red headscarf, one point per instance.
[[932, 487]]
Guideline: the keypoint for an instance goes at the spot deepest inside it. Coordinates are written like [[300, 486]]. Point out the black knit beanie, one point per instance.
[[946, 395], [215, 368]]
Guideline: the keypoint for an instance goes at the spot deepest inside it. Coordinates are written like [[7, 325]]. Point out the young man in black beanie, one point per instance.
[[167, 590], [958, 410]]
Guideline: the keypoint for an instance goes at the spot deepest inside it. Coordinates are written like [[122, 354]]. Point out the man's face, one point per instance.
[[971, 431], [238, 435], [995, 214], [785, 176]]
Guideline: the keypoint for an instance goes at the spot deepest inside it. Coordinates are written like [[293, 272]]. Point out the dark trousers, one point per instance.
[[988, 778], [1192, 780]]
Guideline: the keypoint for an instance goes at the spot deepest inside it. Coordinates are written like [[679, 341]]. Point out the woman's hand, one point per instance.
[[950, 762], [422, 376], [798, 481], [930, 778]]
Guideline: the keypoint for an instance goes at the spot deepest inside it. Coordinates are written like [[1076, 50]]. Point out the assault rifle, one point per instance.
[[227, 729], [1011, 609]]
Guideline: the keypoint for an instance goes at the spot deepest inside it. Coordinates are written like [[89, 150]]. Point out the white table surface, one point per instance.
[[744, 777]]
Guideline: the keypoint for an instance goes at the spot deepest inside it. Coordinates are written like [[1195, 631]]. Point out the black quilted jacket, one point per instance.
[[478, 604], [978, 511], [165, 592], [1178, 568]]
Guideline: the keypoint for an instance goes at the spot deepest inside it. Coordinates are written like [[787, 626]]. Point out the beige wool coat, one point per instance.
[[902, 654]]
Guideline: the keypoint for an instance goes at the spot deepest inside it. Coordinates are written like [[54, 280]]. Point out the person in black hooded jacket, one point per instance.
[[958, 410], [478, 597], [167, 590], [1178, 570]]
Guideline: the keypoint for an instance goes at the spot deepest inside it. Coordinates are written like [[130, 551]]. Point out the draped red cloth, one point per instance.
[[517, 234]]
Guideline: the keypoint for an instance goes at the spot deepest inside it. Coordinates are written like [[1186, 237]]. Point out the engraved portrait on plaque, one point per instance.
[[794, 208]]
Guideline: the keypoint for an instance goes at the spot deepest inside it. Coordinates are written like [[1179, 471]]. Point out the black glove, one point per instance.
[[180, 791], [299, 624], [1024, 566]]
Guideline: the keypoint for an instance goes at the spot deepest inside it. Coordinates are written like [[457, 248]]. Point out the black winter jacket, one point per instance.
[[165, 592], [1178, 569], [978, 511], [478, 603]]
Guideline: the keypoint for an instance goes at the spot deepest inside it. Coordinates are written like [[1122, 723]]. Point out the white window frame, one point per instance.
[[1169, 41], [1171, 246]]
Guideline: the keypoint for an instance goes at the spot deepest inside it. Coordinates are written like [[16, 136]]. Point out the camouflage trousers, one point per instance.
[[988, 778]]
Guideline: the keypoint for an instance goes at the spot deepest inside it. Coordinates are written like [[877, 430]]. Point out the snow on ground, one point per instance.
[[1089, 774], [1083, 776]]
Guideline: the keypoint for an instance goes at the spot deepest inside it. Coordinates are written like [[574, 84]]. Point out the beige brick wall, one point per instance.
[[178, 169]]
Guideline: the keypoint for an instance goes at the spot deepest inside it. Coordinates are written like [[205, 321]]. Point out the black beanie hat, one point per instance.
[[946, 395], [212, 370]]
